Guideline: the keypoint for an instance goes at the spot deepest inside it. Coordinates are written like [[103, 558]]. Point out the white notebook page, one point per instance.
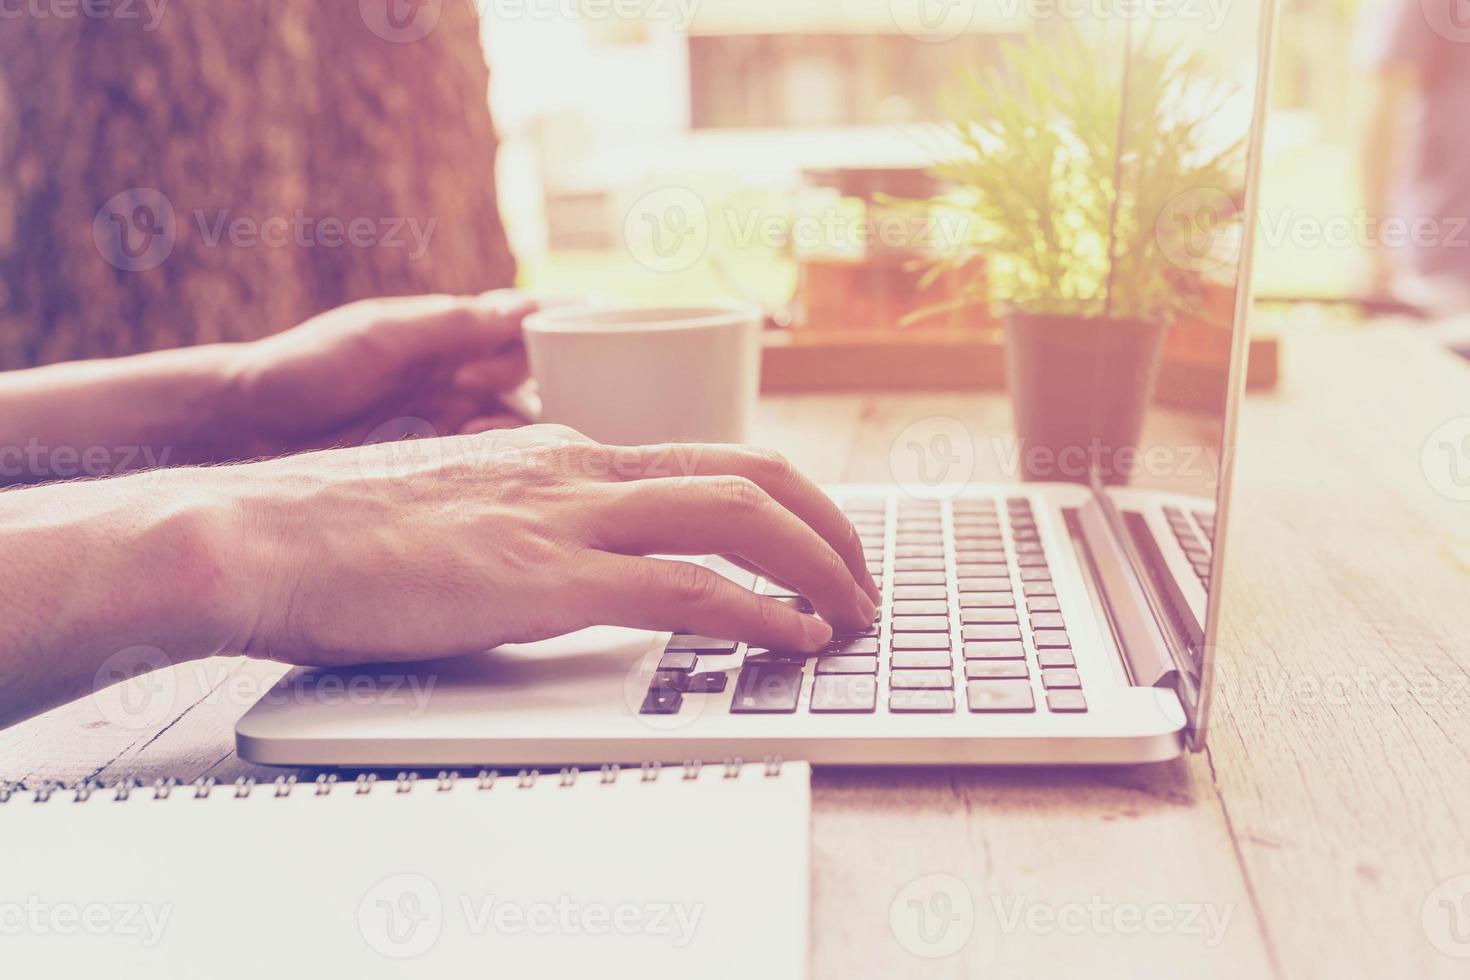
[[674, 877]]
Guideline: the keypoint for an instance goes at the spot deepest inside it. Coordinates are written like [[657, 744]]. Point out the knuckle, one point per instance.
[[772, 466], [555, 433], [692, 585], [741, 494]]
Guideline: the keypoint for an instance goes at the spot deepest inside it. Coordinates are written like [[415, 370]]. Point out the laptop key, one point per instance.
[[920, 624], [1049, 639], [1066, 702], [985, 585], [987, 570], [992, 632], [661, 701], [1042, 574], [767, 688], [995, 670], [918, 564], [919, 641], [1055, 658], [987, 600], [674, 680], [1031, 561], [1000, 696], [844, 694], [684, 642], [919, 578], [984, 570], [920, 660], [901, 592], [862, 646], [979, 617], [1048, 621], [1043, 604], [1012, 650], [919, 551], [681, 662], [906, 539], [921, 607], [921, 702], [757, 655], [847, 665], [921, 680], [1061, 677], [1038, 588], [713, 682]]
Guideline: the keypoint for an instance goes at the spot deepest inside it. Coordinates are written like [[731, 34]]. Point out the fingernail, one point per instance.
[[867, 608], [818, 634]]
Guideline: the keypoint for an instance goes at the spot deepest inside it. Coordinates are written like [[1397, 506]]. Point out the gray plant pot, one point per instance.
[[1080, 387]]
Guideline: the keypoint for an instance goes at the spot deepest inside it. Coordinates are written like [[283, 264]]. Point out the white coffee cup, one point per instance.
[[630, 376]]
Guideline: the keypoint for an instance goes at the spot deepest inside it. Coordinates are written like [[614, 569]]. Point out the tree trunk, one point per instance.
[[187, 171]]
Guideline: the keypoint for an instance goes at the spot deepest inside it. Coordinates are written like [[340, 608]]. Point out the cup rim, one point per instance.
[[635, 319]]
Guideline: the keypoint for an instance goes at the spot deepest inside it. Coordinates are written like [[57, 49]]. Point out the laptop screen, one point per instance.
[[1166, 384]]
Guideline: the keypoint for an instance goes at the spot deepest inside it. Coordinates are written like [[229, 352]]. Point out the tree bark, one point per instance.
[[208, 170]]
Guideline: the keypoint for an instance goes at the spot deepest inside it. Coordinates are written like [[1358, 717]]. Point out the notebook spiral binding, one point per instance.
[[324, 784]]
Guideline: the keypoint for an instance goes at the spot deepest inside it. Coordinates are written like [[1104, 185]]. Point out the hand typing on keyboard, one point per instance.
[[521, 535]]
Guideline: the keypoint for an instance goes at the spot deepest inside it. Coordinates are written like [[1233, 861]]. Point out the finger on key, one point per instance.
[[773, 474], [730, 514], [658, 594]]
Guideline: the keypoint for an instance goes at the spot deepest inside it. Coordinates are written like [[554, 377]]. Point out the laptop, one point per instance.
[[1023, 623]]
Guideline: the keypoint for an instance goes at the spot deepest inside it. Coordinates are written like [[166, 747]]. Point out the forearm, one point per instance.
[[98, 418], [96, 568]]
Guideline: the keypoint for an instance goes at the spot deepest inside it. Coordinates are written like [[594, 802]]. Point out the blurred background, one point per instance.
[[213, 157], [752, 94]]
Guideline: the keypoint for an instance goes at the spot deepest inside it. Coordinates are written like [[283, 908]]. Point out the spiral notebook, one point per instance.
[[690, 872]]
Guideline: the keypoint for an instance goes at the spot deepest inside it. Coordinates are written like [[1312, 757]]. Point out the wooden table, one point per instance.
[[1324, 827]]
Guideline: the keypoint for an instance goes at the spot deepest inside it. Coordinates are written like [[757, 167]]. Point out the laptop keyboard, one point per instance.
[[1196, 545], [969, 623]]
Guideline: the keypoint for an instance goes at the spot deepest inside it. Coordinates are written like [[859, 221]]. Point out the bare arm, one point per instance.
[[96, 418], [94, 569], [443, 360], [360, 555]]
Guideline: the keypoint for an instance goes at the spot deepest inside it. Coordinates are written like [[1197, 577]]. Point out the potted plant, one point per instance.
[[1092, 186]]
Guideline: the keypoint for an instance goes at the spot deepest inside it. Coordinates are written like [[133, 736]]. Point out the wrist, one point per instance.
[[234, 413], [94, 570]]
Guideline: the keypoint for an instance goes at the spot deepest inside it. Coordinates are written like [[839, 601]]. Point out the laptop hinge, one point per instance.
[[1117, 594]]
